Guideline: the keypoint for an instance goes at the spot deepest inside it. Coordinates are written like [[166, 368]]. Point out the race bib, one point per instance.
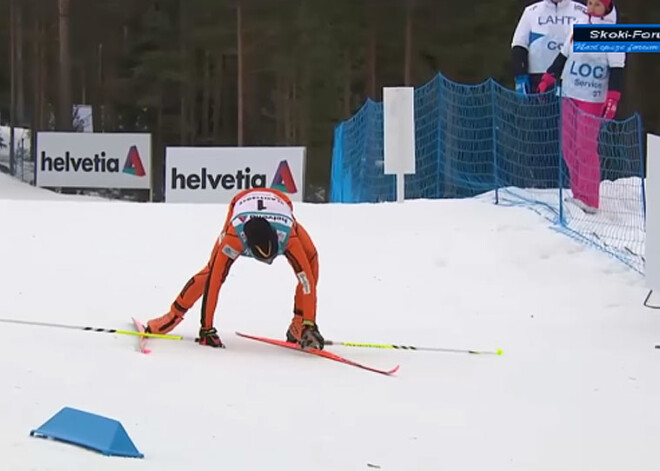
[[262, 201], [586, 77]]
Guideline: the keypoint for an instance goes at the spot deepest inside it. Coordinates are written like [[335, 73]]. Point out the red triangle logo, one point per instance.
[[283, 179], [133, 164]]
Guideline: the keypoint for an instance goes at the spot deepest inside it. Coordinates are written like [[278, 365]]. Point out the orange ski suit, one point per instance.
[[299, 251]]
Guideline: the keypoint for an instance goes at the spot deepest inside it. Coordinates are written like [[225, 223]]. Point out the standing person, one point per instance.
[[260, 224], [539, 35], [591, 90]]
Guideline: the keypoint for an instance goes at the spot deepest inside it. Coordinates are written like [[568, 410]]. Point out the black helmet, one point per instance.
[[261, 238]]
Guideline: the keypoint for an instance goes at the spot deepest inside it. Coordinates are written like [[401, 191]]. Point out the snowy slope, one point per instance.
[[13, 189], [618, 227], [576, 389]]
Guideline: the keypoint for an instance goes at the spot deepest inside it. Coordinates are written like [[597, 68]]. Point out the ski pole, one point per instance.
[[93, 329], [411, 347]]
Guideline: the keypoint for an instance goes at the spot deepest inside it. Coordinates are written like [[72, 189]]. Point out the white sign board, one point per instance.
[[399, 130], [216, 174], [652, 268], [93, 160]]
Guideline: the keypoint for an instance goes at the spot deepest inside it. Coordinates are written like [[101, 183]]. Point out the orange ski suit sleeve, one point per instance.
[[227, 249]]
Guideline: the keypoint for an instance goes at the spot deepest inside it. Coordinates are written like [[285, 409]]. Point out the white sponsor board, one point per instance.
[[93, 160], [399, 134], [399, 130], [216, 174], [652, 254]]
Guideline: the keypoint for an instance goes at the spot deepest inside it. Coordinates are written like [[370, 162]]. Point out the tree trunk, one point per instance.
[[217, 97], [407, 61], [99, 103], [157, 165], [288, 106], [228, 130], [36, 86], [347, 85], [278, 99], [303, 100], [240, 78], [193, 113], [12, 86], [44, 73], [183, 106], [206, 97], [371, 54], [20, 66], [83, 85], [110, 74], [65, 107]]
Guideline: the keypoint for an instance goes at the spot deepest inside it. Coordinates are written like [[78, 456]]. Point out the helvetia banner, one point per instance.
[[216, 174], [93, 160]]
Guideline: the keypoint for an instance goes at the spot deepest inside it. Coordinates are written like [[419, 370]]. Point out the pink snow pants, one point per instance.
[[580, 129]]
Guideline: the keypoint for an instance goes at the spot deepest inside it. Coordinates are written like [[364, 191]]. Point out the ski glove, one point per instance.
[[611, 104], [547, 81]]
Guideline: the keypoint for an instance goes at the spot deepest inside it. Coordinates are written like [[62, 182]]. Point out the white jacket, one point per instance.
[[586, 74], [543, 28]]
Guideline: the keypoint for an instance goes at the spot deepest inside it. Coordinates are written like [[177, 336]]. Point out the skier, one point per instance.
[[260, 224], [539, 35], [591, 90]]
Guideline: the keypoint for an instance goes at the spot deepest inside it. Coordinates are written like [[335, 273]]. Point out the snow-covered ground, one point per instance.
[[576, 389], [618, 227]]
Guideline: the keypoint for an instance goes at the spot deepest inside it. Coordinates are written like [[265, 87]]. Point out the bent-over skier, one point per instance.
[[259, 224]]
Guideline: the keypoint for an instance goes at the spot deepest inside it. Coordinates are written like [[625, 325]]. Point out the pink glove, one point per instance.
[[611, 104], [547, 81]]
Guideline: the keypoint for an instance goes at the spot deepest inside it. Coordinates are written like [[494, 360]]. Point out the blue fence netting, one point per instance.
[[475, 139]]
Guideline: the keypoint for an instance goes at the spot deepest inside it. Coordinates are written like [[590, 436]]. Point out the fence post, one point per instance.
[[496, 176]]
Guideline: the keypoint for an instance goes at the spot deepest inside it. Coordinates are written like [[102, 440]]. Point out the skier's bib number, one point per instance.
[[262, 201]]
